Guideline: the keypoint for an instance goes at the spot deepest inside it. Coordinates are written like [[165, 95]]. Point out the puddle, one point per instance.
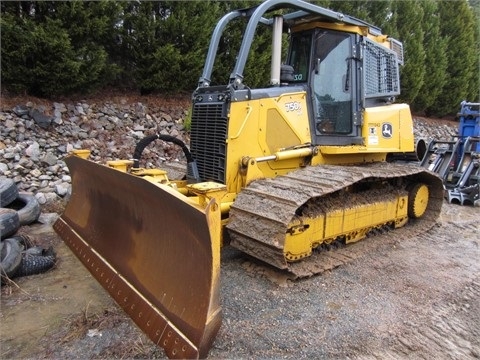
[[42, 303]]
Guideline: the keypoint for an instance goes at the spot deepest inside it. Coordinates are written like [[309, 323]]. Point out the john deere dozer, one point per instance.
[[280, 172]]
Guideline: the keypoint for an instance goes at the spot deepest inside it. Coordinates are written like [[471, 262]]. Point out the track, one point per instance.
[[263, 211], [407, 295]]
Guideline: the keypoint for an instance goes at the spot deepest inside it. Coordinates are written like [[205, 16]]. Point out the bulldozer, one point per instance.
[[301, 166]]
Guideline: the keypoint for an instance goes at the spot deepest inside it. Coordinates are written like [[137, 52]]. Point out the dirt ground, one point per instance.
[[403, 296]]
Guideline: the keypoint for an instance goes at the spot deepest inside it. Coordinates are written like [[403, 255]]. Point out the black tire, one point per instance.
[[33, 263], [9, 222], [11, 258], [27, 207], [25, 241], [8, 191]]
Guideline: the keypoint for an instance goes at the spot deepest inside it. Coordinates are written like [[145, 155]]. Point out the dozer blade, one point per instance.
[[153, 250]]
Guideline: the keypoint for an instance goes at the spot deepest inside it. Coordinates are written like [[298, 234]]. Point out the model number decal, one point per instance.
[[293, 106]]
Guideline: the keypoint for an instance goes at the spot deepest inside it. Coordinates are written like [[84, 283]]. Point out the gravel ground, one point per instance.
[[405, 296]]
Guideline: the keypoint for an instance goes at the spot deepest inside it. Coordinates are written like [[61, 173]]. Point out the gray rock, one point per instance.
[[42, 199], [9, 156], [49, 159], [83, 135], [33, 150], [36, 173], [40, 118], [9, 125], [3, 168], [51, 196], [62, 189], [21, 110], [60, 107], [79, 110], [48, 218]]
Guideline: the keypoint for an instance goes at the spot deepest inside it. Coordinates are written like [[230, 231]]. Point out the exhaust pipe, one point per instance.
[[276, 50]]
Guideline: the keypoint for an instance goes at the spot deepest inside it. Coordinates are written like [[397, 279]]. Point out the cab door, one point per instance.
[[323, 58]]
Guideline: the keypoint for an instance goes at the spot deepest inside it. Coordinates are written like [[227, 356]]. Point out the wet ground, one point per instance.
[[34, 307]]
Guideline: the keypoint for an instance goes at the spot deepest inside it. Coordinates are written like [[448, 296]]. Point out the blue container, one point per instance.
[[469, 117]]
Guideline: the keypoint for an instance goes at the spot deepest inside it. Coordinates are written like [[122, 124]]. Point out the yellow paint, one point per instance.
[[351, 222], [419, 198], [377, 137], [83, 153], [121, 165], [261, 128], [360, 30]]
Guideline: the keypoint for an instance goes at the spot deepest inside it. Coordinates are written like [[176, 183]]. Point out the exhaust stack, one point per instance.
[[276, 50]]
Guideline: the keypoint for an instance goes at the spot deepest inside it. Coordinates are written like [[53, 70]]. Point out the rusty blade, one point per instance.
[[156, 253]]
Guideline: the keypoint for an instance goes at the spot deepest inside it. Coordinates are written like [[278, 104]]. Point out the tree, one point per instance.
[[458, 29], [166, 42], [51, 48], [409, 16], [474, 90], [435, 59]]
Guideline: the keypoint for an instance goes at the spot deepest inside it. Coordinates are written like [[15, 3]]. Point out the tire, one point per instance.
[[11, 258], [35, 264], [9, 222], [25, 241], [27, 207], [8, 191]]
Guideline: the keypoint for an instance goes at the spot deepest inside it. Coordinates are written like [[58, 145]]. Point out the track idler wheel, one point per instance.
[[417, 200]]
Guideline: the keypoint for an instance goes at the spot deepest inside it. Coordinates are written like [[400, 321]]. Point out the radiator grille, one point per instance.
[[381, 71], [207, 141]]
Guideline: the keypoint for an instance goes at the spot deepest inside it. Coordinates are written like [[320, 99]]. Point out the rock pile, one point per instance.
[[434, 129], [34, 140]]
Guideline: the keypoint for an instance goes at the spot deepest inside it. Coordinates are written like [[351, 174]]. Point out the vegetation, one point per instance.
[[51, 48]]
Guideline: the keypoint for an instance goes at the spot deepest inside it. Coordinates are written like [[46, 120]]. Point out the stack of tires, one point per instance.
[[18, 255]]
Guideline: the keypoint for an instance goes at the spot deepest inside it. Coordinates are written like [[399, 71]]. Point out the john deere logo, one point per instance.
[[387, 130]]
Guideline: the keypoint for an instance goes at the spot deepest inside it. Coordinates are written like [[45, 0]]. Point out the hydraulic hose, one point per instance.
[[192, 170], [142, 144]]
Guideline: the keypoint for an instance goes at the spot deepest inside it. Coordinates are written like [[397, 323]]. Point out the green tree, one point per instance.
[[458, 29], [474, 89], [435, 59], [15, 51], [43, 64], [166, 42], [409, 16], [51, 48]]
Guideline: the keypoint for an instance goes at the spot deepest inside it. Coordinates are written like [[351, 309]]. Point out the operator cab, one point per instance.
[[323, 59], [344, 73]]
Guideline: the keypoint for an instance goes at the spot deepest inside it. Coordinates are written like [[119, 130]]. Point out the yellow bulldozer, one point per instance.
[[311, 161]]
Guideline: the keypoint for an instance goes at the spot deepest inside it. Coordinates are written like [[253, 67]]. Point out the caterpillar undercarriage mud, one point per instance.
[[282, 173]]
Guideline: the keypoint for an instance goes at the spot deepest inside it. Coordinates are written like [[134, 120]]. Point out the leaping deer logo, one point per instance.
[[387, 130]]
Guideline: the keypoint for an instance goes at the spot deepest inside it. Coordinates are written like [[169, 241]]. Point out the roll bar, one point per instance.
[[255, 15]]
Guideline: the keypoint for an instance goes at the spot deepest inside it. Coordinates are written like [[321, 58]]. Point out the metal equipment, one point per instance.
[[457, 161], [280, 172]]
